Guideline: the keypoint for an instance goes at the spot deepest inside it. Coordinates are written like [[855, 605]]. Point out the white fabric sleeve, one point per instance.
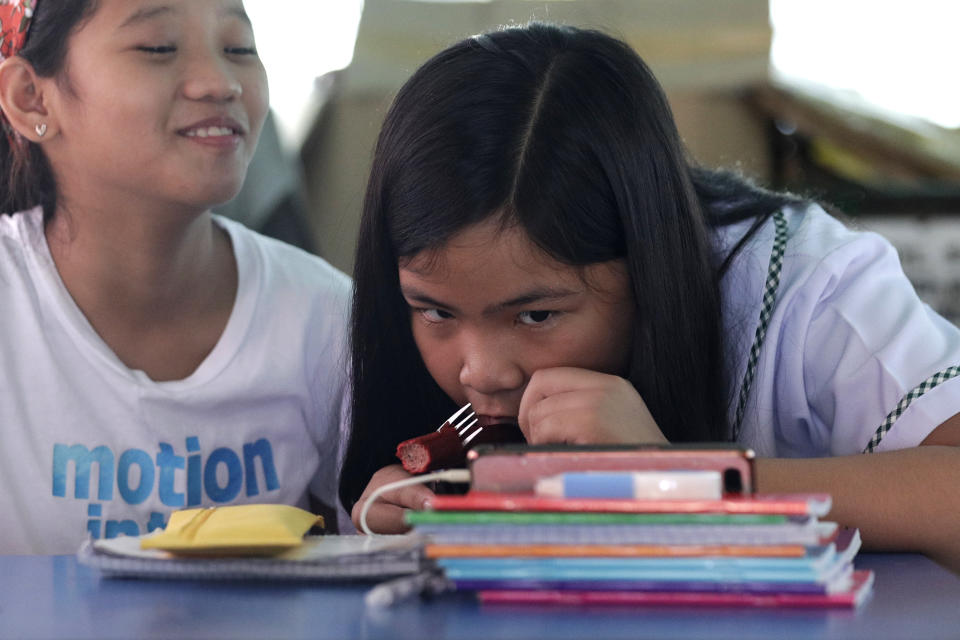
[[330, 437], [329, 390], [869, 342], [330, 393], [344, 523]]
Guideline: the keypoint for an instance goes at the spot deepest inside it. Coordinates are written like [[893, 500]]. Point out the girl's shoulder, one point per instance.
[[20, 226], [278, 280], [810, 240], [818, 237], [284, 266], [801, 263], [21, 240], [823, 312]]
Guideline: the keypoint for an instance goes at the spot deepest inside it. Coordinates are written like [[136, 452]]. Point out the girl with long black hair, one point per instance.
[[535, 241]]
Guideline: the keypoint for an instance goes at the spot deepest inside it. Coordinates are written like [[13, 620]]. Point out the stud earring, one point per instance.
[[41, 129]]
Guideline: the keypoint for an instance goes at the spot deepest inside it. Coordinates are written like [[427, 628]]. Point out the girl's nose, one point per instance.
[[490, 371], [212, 80]]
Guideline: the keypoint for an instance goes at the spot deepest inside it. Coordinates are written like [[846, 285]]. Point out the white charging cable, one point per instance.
[[461, 476]]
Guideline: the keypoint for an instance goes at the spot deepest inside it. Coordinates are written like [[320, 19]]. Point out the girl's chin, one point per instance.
[[212, 196]]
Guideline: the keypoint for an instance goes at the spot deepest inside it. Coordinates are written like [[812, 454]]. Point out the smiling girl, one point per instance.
[[536, 242], [153, 355]]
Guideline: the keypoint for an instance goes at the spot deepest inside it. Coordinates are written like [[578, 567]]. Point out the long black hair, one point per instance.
[[566, 133], [27, 178]]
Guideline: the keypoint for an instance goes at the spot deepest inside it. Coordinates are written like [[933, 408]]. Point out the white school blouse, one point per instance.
[[851, 359]]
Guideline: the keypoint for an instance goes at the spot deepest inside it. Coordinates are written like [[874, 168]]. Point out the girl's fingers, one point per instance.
[[546, 384], [564, 417], [409, 497], [577, 406], [382, 517], [385, 515]]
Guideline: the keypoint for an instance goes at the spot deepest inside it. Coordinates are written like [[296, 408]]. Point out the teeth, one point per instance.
[[210, 132]]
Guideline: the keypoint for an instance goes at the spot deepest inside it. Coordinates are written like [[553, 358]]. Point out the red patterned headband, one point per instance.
[[15, 16]]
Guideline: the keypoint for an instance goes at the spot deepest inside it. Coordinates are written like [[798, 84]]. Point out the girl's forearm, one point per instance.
[[907, 500]]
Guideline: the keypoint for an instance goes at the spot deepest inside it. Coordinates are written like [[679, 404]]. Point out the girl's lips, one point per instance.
[[217, 142], [214, 126], [217, 132], [486, 421], [214, 136]]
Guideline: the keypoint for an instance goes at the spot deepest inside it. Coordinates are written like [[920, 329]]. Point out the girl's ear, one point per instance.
[[21, 98]]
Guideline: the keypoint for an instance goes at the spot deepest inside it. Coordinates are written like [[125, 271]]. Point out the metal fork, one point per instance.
[[463, 422]]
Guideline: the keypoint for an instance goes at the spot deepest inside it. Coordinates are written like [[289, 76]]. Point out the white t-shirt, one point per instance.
[[848, 339], [91, 447]]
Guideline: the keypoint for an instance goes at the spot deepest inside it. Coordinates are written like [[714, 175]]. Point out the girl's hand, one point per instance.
[[386, 514], [578, 406]]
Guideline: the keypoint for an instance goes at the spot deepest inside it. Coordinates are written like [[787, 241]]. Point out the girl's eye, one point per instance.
[[167, 49], [535, 318], [158, 51], [434, 315]]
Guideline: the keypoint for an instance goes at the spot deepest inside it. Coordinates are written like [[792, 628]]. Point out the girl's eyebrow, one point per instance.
[[149, 13], [415, 295], [533, 296], [238, 12]]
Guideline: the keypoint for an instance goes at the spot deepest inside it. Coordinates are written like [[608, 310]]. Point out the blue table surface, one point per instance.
[[54, 597]]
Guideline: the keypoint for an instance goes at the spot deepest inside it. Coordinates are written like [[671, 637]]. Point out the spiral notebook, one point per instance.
[[319, 558]]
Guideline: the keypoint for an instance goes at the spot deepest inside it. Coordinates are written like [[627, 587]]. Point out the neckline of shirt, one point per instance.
[[249, 270]]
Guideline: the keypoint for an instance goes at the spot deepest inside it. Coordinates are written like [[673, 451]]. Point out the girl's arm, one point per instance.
[[905, 500]]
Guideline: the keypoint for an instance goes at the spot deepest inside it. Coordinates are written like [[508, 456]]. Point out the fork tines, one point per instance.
[[463, 421]]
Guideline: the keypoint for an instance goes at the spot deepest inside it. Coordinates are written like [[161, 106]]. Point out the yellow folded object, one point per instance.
[[236, 530]]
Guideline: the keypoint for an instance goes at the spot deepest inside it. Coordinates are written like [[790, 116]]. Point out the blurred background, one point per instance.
[[852, 102]]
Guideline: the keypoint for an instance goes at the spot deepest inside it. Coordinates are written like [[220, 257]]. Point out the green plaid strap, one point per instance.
[[766, 310], [916, 392]]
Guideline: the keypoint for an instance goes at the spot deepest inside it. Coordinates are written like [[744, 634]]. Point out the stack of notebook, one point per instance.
[[732, 549]]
